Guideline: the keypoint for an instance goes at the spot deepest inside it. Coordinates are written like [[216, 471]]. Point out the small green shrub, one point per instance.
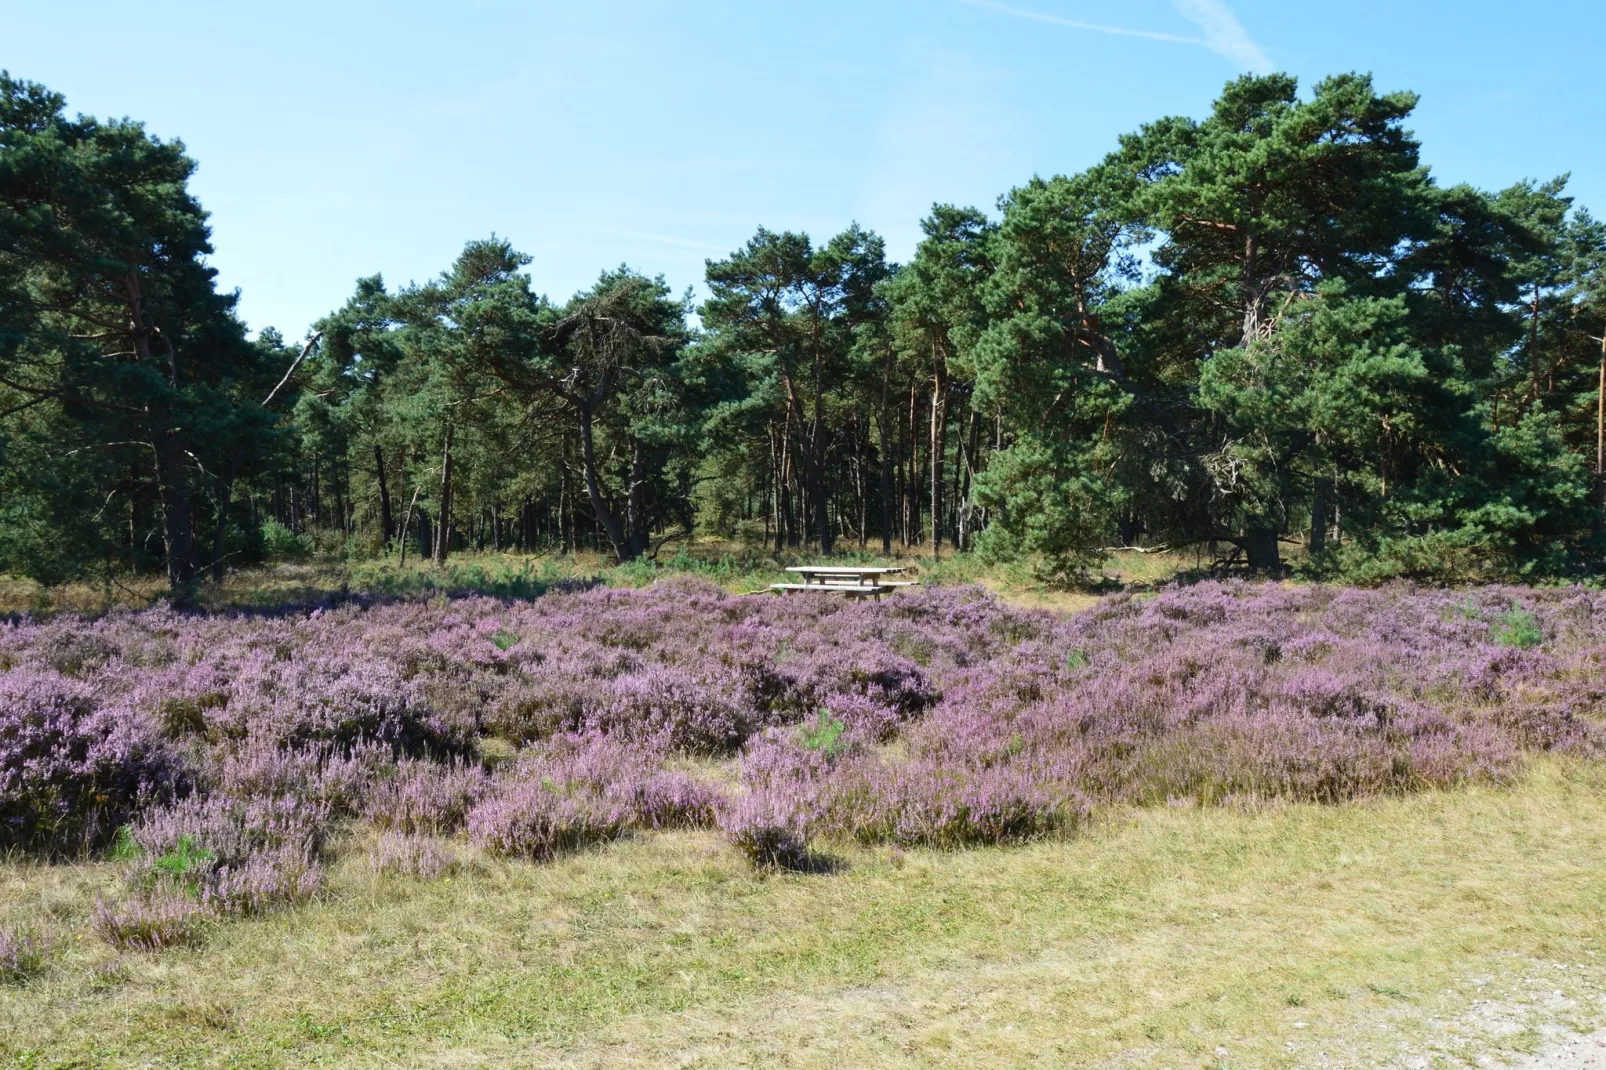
[[824, 735], [1518, 628], [280, 542]]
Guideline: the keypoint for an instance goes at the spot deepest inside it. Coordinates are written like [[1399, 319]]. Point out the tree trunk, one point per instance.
[[384, 495], [225, 492], [912, 484], [1260, 545], [635, 508], [967, 478], [443, 523], [605, 518], [887, 438], [817, 454], [1251, 287], [1600, 441], [178, 517], [939, 436], [1318, 516]]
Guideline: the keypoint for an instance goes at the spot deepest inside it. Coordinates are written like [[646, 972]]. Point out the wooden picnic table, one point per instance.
[[846, 579]]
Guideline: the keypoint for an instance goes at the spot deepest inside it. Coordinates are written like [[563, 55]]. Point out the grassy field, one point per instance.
[[1428, 928], [732, 567]]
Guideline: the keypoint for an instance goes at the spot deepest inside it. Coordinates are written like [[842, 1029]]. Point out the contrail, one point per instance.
[[1119, 31], [1223, 33]]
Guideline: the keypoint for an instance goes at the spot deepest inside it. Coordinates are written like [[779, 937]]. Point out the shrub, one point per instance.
[[672, 800], [527, 818], [1518, 628], [237, 856], [22, 956], [768, 830], [1002, 725], [406, 855], [150, 924], [686, 713], [823, 735], [423, 797], [71, 773], [280, 542], [928, 805]]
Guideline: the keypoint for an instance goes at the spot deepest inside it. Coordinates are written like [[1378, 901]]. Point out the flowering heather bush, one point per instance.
[[230, 744], [71, 771], [771, 831], [150, 924], [236, 855], [426, 797], [22, 956], [406, 855], [532, 818]]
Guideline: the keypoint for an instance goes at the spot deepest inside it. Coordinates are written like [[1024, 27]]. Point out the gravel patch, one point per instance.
[[1571, 1053]]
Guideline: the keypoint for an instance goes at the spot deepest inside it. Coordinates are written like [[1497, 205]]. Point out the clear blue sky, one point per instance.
[[340, 139]]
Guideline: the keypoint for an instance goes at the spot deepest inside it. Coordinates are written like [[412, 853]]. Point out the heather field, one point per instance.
[[1220, 824]]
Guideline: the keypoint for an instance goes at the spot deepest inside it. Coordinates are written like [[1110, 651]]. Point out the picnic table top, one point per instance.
[[852, 570]]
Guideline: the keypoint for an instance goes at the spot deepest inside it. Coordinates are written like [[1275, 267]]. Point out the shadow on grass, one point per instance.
[[812, 864]]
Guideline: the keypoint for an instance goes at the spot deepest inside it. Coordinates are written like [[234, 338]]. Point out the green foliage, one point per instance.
[[503, 581], [823, 735], [1517, 627], [1262, 326], [281, 543], [184, 865], [124, 848]]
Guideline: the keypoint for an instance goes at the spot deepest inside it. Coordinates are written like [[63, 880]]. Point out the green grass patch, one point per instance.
[[1154, 939]]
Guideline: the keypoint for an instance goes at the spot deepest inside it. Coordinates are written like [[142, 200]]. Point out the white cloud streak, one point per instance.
[[664, 239], [1223, 33], [1075, 24]]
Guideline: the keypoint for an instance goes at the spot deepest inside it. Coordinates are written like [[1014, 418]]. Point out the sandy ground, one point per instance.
[[1573, 1053]]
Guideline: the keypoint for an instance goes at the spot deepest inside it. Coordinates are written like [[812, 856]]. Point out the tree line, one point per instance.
[[1267, 326]]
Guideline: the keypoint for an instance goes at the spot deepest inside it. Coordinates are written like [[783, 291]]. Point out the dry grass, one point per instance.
[[733, 566], [1297, 936]]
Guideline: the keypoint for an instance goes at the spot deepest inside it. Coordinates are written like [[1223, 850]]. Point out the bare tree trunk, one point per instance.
[[887, 438], [788, 501], [817, 450], [224, 494], [178, 520], [407, 518], [443, 523], [385, 522], [954, 499], [939, 436], [1600, 441], [968, 475], [599, 506], [912, 506], [635, 510], [1260, 546], [861, 484], [1318, 516]]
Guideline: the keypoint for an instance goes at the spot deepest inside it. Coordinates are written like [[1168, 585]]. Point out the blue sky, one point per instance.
[[342, 139]]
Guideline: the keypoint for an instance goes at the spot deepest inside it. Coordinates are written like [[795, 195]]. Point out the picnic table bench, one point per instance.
[[851, 580]]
